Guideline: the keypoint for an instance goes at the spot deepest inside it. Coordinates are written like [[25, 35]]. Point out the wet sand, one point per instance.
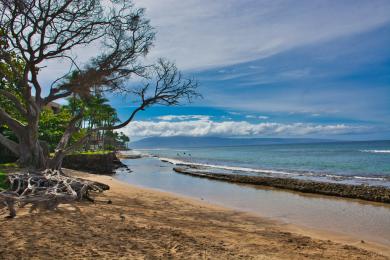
[[348, 220], [146, 224]]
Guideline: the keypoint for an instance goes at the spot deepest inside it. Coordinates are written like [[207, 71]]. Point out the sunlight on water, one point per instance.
[[367, 221], [350, 162]]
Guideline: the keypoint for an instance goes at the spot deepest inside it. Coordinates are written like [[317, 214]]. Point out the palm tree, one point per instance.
[[97, 113]]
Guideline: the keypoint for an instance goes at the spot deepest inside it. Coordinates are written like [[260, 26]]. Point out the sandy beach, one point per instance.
[[129, 222]]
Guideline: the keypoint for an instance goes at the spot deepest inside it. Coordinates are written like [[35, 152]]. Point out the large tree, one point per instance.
[[35, 32]]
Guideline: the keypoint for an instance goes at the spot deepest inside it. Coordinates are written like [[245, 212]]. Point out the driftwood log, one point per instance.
[[46, 190]]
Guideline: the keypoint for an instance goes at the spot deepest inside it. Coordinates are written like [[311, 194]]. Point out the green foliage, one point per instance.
[[8, 165], [3, 178], [123, 138], [96, 111], [7, 132], [25, 47], [115, 140], [52, 126], [94, 152], [11, 65], [4, 168], [11, 70]]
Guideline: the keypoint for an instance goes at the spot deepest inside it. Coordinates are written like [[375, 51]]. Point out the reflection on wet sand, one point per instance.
[[353, 218]]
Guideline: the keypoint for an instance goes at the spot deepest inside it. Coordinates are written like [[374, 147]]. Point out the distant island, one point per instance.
[[187, 141]]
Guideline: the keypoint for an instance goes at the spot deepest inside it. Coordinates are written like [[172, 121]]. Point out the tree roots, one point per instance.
[[46, 190]]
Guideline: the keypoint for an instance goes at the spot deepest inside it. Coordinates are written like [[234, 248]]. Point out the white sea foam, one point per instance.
[[375, 151], [135, 153], [130, 152], [264, 171], [224, 167], [161, 149], [369, 178]]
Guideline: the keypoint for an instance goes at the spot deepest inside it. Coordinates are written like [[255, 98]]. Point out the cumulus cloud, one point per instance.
[[233, 128], [183, 117], [256, 117]]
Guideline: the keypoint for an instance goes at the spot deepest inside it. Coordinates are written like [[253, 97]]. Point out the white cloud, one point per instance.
[[256, 117], [200, 34], [204, 34], [183, 117], [233, 128]]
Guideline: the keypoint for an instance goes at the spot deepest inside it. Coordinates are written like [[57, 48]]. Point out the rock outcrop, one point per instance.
[[94, 163]]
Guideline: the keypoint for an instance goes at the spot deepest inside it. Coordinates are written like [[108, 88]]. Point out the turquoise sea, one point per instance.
[[366, 163], [353, 162]]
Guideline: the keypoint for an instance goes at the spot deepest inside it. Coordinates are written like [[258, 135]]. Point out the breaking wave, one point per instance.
[[375, 151]]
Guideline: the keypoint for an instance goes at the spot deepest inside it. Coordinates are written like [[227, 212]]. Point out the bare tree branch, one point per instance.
[[37, 31], [169, 89], [14, 124], [11, 145], [18, 105]]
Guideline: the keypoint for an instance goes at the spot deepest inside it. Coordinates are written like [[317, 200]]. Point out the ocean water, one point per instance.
[[347, 162]]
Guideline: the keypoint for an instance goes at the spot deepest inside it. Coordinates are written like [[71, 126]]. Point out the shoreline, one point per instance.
[[362, 192], [130, 222], [354, 218], [317, 234], [284, 227]]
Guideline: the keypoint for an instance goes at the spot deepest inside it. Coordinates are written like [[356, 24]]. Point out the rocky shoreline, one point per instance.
[[129, 156], [93, 163], [363, 192]]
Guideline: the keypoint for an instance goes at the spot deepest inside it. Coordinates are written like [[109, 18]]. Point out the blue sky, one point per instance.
[[273, 68]]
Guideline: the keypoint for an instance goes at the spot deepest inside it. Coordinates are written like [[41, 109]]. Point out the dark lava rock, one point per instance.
[[94, 163], [363, 192]]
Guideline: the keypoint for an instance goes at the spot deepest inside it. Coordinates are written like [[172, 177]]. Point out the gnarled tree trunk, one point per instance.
[[32, 154], [55, 163]]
